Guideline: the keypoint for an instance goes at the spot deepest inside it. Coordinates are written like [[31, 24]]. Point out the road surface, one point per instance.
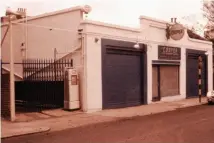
[[189, 125]]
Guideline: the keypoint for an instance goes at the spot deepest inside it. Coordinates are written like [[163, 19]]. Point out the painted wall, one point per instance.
[[17, 38], [93, 87], [155, 33], [42, 41], [152, 33]]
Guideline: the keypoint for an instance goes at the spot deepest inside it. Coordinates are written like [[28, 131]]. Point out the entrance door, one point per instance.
[[169, 80], [165, 81], [192, 74]]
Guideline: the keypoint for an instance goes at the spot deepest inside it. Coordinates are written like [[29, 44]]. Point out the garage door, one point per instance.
[[122, 76], [192, 74]]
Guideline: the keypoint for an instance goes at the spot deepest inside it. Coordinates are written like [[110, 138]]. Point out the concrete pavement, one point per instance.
[[187, 125], [150, 109], [72, 120]]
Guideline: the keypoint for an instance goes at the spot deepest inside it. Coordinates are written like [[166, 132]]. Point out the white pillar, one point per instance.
[[182, 73], [12, 87], [150, 50], [210, 70]]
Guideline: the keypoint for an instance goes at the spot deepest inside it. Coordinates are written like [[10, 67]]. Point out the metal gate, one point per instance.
[[43, 84]]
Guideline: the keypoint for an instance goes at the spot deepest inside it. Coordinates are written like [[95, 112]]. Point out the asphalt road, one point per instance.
[[189, 125]]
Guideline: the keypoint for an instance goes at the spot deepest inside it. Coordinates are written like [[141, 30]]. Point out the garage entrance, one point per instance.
[[192, 73], [123, 72]]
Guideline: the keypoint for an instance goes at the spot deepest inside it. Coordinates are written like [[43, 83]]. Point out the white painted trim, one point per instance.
[[172, 98], [140, 40], [47, 14], [98, 23], [157, 26], [93, 110], [200, 41], [154, 20]]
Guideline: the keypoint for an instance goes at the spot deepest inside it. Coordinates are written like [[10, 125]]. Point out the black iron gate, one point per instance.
[[43, 84]]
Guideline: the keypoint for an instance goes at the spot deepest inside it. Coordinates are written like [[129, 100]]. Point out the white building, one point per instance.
[[114, 74], [123, 76]]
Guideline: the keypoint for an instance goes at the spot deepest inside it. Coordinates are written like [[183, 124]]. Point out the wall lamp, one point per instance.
[[136, 46]]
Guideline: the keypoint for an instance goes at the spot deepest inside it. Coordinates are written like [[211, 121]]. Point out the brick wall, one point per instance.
[[5, 95]]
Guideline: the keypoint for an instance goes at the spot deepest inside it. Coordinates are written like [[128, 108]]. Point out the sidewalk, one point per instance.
[[77, 119]]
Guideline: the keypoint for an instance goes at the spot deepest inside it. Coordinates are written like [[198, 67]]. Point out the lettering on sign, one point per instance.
[[176, 32], [169, 53]]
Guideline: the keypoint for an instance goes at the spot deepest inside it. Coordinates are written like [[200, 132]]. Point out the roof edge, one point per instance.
[[200, 41], [47, 14], [98, 23], [154, 20]]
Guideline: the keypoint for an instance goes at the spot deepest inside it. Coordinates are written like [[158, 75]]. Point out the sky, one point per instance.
[[122, 12]]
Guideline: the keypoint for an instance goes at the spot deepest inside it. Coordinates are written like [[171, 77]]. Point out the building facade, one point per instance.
[[113, 72], [124, 76]]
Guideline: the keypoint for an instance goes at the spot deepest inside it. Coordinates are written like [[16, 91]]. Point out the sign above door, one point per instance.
[[169, 53]]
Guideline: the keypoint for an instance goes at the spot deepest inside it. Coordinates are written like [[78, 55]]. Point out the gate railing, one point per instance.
[[43, 84], [45, 69]]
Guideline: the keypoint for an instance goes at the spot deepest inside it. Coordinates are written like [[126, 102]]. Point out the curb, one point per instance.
[[197, 104], [47, 129], [35, 131]]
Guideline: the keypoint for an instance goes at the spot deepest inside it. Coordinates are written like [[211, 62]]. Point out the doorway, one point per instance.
[[192, 73], [123, 70], [165, 81]]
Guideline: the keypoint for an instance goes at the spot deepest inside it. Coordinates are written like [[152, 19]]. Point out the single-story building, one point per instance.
[[121, 66], [163, 69]]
